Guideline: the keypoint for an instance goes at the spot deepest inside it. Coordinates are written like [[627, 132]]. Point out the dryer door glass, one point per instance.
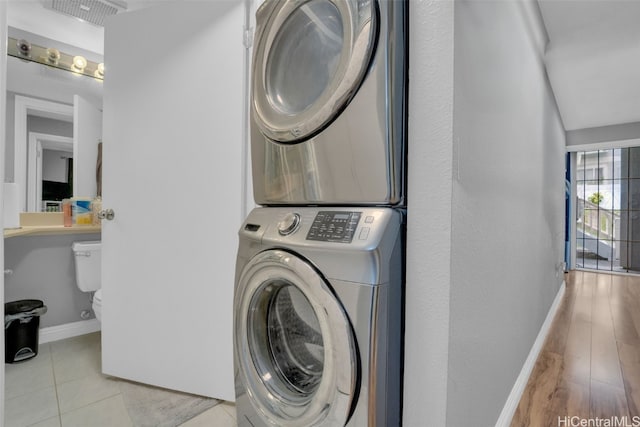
[[294, 343], [304, 57], [309, 60]]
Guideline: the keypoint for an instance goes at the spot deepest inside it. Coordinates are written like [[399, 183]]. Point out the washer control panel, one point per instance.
[[334, 226]]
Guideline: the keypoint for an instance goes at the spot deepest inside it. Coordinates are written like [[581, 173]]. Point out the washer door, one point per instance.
[[294, 343], [309, 60]]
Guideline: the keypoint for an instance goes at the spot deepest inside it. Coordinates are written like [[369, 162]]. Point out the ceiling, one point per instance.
[[593, 60], [34, 17]]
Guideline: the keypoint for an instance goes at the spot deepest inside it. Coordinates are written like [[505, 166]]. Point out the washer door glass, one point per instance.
[[294, 343], [291, 346], [309, 60]]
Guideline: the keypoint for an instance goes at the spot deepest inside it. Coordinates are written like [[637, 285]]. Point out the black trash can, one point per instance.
[[21, 323]]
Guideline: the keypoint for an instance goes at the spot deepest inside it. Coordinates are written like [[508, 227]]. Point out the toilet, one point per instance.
[[88, 271]]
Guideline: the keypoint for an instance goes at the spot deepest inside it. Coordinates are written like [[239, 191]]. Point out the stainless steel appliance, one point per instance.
[[317, 317], [328, 107]]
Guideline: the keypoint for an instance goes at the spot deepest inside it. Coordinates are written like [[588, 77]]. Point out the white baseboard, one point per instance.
[[513, 399], [68, 330]]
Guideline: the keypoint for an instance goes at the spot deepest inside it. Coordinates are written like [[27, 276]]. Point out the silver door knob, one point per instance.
[[108, 214]]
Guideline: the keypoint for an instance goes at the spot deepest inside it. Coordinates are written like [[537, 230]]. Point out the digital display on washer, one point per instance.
[[334, 226]]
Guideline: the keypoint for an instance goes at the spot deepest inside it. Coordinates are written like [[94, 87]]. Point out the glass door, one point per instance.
[[607, 204]]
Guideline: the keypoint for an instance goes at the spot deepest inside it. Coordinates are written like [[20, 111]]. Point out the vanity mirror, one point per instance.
[[54, 125]]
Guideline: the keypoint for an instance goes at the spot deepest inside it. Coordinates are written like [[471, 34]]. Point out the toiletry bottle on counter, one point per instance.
[[66, 213], [81, 211]]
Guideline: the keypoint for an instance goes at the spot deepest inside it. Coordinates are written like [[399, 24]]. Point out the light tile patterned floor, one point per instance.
[[63, 387]]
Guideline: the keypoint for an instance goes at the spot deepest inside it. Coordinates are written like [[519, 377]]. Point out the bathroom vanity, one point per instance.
[[39, 264], [47, 223]]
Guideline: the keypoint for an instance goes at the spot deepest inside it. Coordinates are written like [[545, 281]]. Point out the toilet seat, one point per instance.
[[97, 304]]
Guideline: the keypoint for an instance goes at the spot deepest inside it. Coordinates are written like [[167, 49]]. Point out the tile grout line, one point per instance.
[[97, 401], [226, 406], [55, 382], [58, 371]]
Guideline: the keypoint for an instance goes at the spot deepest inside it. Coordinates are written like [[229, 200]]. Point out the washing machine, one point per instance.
[[318, 317], [328, 102]]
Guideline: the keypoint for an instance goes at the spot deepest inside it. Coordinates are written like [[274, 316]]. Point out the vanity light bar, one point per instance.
[[52, 57]]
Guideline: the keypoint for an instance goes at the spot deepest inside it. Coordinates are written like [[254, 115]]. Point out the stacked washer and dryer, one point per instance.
[[320, 270]]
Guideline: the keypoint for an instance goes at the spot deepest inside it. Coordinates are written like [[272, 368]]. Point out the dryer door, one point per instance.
[[310, 57], [295, 348]]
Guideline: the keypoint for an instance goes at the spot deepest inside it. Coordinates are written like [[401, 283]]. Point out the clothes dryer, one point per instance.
[[317, 317], [328, 103]]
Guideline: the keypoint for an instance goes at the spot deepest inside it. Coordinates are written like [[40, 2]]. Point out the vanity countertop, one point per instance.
[[41, 230], [46, 223]]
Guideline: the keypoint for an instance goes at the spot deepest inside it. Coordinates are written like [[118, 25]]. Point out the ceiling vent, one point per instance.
[[93, 11]]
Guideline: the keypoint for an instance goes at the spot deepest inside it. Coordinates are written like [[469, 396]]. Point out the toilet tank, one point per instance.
[[88, 265]]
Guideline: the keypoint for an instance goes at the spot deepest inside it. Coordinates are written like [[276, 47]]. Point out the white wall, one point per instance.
[[429, 212], [3, 91], [508, 204]]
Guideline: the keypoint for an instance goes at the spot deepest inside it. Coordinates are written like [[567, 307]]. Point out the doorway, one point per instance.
[[606, 197]]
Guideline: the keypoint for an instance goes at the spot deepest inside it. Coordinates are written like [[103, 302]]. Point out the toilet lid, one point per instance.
[[97, 297]]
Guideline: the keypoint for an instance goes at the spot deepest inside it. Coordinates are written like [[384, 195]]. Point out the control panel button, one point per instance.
[[364, 233], [289, 224], [368, 219]]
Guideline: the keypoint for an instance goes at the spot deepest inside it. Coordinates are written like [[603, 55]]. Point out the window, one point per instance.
[[590, 174]]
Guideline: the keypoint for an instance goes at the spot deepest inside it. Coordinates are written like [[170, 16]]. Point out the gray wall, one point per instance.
[[50, 126], [43, 268], [486, 207], [508, 204], [55, 165]]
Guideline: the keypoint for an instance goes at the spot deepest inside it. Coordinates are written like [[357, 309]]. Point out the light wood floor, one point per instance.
[[589, 366]]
